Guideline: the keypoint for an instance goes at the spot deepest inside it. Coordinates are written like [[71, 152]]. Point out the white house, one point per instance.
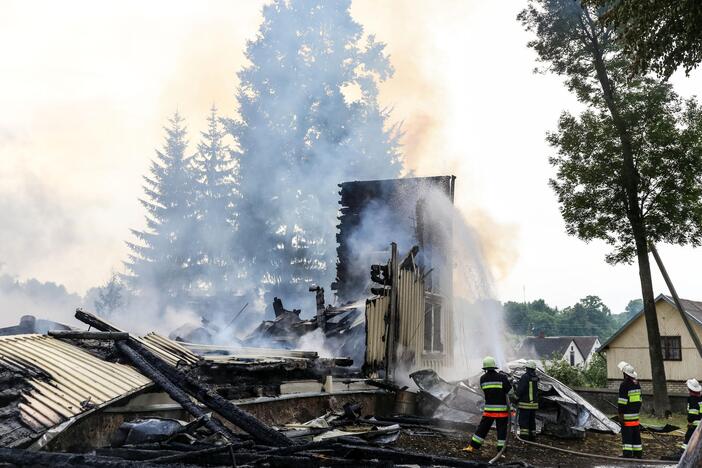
[[542, 349]]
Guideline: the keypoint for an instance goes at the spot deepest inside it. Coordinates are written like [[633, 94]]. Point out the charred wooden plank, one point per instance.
[[172, 390], [404, 456], [19, 457], [204, 454], [216, 403], [177, 382], [87, 335]]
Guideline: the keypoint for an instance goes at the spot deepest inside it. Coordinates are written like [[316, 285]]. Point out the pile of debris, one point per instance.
[[46, 379], [562, 412]]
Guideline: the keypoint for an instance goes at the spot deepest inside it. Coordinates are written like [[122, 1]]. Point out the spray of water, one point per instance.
[[478, 328]]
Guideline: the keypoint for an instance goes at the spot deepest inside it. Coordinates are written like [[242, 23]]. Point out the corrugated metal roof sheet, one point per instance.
[[77, 381], [170, 351]]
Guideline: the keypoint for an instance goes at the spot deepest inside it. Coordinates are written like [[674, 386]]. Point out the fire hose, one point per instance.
[[509, 429], [592, 455]]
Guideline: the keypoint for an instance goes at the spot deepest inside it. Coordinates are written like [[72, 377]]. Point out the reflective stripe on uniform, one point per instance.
[[631, 417], [636, 447], [494, 414], [531, 391], [478, 440], [622, 401], [528, 405], [696, 423], [500, 443], [626, 447], [485, 385], [495, 408], [635, 395], [683, 446], [692, 411]]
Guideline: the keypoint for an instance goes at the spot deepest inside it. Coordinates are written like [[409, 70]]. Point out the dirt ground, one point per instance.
[[450, 444]]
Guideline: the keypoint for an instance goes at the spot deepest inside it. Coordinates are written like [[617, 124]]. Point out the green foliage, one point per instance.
[[561, 370], [595, 372], [589, 316], [657, 35], [628, 166], [667, 150], [592, 375]]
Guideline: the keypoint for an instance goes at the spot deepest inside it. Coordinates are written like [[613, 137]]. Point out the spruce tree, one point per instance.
[[309, 119], [215, 203], [161, 262]]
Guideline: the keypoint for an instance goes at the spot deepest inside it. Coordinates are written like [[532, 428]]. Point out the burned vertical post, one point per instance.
[[393, 316]]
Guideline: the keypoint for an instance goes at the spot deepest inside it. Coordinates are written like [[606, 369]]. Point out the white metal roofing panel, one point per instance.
[[74, 381]]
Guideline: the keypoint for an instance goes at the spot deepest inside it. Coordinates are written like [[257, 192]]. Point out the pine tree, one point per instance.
[[215, 203], [309, 119], [161, 263]]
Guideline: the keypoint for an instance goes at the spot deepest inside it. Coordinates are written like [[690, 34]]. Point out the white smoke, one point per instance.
[[478, 322]]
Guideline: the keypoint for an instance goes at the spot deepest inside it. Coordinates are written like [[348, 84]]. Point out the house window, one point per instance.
[[672, 349], [572, 356], [432, 327]]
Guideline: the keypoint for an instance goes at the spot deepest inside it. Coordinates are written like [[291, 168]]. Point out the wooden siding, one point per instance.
[[632, 346], [411, 316]]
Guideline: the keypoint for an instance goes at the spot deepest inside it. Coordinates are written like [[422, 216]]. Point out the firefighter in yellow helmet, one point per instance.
[[528, 401], [495, 386]]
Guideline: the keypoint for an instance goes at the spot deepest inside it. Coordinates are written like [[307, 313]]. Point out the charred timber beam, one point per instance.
[[405, 457], [86, 335], [204, 454], [179, 383], [95, 322], [175, 392], [19, 457], [225, 408]]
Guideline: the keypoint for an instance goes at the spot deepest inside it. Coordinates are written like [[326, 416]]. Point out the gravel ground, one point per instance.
[[450, 444]]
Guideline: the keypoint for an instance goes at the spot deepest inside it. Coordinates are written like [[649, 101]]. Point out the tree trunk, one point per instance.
[[630, 184], [661, 403]]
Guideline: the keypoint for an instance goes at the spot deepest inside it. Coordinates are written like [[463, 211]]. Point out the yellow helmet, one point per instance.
[[489, 363]]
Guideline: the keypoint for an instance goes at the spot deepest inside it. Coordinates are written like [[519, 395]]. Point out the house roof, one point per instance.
[[693, 309], [62, 381], [585, 343], [545, 347]]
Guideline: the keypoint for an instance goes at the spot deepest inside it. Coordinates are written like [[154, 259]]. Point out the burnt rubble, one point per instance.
[[219, 432]]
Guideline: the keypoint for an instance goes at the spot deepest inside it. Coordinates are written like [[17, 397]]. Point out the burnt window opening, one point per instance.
[[672, 348], [432, 327]]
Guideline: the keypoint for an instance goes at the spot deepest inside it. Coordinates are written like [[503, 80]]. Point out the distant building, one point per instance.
[[543, 349], [680, 357], [588, 346]]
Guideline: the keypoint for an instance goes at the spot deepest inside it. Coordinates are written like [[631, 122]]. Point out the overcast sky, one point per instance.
[[85, 88]]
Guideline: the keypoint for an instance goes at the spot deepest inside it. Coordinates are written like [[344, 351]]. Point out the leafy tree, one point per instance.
[[111, 297], [309, 119], [215, 201], [628, 167], [590, 316], [657, 35], [561, 370], [595, 373], [531, 318], [161, 260]]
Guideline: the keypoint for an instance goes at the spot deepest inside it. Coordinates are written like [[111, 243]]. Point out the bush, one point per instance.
[[592, 375], [561, 370], [596, 372]]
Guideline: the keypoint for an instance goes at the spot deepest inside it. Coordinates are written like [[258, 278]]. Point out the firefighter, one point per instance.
[[496, 387], [694, 408], [528, 401], [629, 404]]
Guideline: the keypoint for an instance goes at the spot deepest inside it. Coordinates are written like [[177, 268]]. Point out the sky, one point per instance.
[[86, 87]]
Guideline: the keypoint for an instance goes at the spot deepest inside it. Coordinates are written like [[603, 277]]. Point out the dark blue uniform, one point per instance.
[[495, 386], [528, 403], [629, 405]]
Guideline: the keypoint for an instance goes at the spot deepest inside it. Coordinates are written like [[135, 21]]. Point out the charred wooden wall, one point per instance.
[[402, 200]]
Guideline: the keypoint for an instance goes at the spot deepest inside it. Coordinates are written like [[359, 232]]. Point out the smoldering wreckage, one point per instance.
[[106, 397]]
